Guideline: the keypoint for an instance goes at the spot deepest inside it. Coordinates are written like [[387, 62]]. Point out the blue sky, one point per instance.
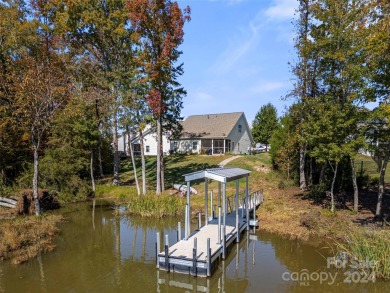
[[236, 55]]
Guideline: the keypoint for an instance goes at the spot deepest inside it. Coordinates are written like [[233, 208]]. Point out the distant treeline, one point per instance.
[[341, 70]]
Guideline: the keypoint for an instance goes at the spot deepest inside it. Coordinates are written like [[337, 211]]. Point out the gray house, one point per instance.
[[214, 134]]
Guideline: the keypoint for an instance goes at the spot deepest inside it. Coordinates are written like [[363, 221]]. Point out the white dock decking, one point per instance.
[[200, 253]]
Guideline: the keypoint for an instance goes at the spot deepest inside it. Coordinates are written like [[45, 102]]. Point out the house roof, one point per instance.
[[210, 125]]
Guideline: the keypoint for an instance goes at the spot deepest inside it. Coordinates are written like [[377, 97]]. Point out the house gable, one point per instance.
[[240, 136]]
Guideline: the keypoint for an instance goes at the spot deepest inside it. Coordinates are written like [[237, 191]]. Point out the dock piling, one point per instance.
[[186, 233], [211, 207], [208, 258], [194, 254], [219, 225], [157, 249], [166, 250], [178, 231]]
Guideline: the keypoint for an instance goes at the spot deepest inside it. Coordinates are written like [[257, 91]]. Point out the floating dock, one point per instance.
[[199, 252]]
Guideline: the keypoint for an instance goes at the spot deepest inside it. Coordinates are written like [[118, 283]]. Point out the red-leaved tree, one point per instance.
[[158, 27]]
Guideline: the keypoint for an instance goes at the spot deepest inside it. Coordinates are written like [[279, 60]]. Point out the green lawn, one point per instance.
[[177, 166], [369, 167]]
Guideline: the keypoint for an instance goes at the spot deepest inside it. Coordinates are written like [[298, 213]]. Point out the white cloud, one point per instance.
[[203, 96], [281, 10], [268, 86], [248, 37], [239, 45]]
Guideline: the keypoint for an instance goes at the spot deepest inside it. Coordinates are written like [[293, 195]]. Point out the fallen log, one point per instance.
[[7, 205], [8, 200], [182, 187]]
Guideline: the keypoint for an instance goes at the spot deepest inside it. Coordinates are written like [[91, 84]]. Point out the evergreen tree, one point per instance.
[[264, 124]]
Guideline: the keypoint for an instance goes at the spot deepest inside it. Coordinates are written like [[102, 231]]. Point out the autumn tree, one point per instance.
[[100, 33], [14, 142], [42, 83], [158, 26]]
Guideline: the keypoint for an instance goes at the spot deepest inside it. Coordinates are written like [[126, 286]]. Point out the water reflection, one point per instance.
[[99, 252]]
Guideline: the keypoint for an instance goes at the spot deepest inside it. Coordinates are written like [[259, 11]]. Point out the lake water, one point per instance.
[[100, 252]]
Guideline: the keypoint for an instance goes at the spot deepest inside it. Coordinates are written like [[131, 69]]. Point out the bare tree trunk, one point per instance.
[[116, 153], [288, 170], [130, 148], [35, 179], [355, 187], [3, 181], [143, 165], [310, 179], [302, 177], [159, 157], [99, 139], [322, 173], [332, 187], [381, 189], [91, 170], [101, 173]]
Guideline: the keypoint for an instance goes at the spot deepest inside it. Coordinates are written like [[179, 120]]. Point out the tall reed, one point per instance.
[[370, 249], [151, 205]]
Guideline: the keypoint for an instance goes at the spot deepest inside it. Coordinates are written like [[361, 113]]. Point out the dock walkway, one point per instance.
[[200, 253]]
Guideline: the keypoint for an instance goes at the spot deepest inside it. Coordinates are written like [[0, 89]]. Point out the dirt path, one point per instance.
[[224, 162]]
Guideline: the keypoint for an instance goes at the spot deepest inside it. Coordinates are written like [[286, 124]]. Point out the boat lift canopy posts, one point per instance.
[[222, 176]]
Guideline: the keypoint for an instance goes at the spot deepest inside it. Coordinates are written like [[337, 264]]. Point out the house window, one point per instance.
[[194, 145], [147, 149], [175, 145], [232, 145], [239, 128]]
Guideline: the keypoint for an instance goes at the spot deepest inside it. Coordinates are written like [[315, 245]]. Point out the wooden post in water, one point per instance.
[[208, 258], [157, 249], [178, 231], [167, 267]]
